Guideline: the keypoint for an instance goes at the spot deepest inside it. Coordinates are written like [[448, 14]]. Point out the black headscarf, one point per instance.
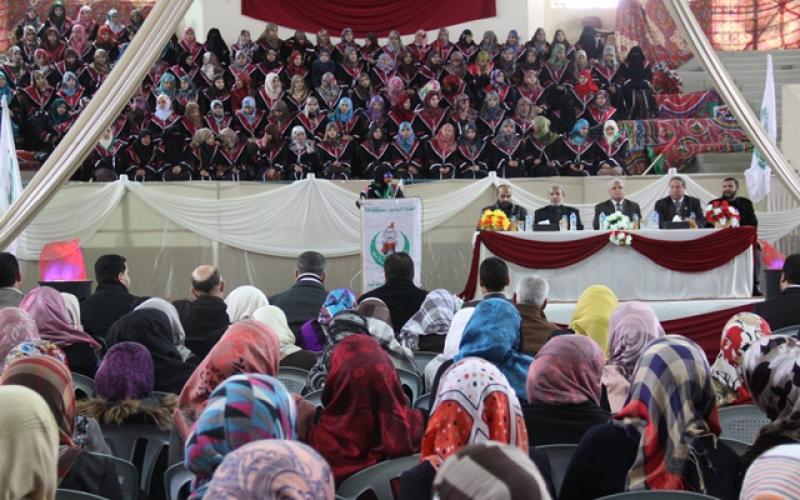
[[636, 64], [318, 68], [216, 44], [590, 43], [144, 152]]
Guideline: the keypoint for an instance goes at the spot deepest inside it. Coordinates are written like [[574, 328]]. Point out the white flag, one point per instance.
[[757, 176], [10, 180]]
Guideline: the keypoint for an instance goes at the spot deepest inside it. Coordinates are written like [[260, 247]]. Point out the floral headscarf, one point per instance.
[[739, 333], [17, 326]]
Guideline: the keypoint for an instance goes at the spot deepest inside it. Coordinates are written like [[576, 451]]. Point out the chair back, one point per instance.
[[176, 478], [742, 422], [793, 330], [422, 358], [737, 446], [293, 378], [424, 402], [126, 440], [376, 479], [412, 381], [127, 474], [84, 386], [75, 495], [315, 397], [658, 495], [559, 456]]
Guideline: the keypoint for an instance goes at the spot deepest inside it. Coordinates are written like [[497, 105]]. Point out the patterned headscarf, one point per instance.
[[272, 469], [433, 318], [336, 301], [566, 371], [671, 405], [738, 334], [366, 418], [632, 326], [243, 301], [246, 347], [47, 307], [243, 409], [35, 348], [592, 314], [774, 474], [492, 333], [16, 326], [342, 325], [379, 321], [474, 404], [126, 373], [274, 318]]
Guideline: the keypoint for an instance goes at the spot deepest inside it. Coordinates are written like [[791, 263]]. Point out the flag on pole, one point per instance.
[[10, 180], [757, 176]]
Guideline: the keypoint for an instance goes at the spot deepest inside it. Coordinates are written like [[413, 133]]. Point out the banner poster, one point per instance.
[[387, 227]]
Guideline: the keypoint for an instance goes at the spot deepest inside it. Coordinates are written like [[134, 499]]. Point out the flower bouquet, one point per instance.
[[494, 220], [619, 224], [721, 214]]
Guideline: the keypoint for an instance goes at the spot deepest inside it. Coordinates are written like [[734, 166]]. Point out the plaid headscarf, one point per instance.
[[671, 405], [433, 318], [342, 325], [738, 334], [379, 321], [243, 409]]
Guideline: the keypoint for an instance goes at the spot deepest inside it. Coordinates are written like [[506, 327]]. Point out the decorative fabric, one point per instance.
[[740, 332], [47, 308], [366, 418], [702, 329], [671, 405], [344, 324], [178, 333], [742, 25], [433, 318], [272, 469], [36, 348], [650, 25], [593, 313], [243, 302], [474, 404], [243, 409], [492, 333], [566, 371], [275, 318], [126, 373], [774, 474], [246, 347], [16, 326], [698, 104]]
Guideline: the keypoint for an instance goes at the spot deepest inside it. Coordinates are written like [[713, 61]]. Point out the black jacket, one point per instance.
[[553, 214], [745, 208], [561, 424], [401, 296], [301, 302], [781, 311], [666, 210], [204, 320], [110, 302], [629, 208]]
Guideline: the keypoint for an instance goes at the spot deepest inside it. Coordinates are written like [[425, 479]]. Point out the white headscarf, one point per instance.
[[178, 333], [243, 302], [275, 318], [610, 138], [73, 309], [452, 343]]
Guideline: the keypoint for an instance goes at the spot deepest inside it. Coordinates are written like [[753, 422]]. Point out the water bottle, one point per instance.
[[528, 223], [562, 224], [602, 221], [654, 222], [635, 221], [513, 226], [573, 222], [692, 221]]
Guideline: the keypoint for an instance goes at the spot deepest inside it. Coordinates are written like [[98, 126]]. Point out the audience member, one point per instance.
[[399, 293], [178, 335], [303, 300], [633, 325], [739, 333], [73, 307], [10, 281], [665, 438], [493, 278], [556, 211], [17, 326], [205, 318], [679, 206], [427, 328], [474, 403], [366, 418], [344, 324], [112, 299], [505, 204], [243, 301], [592, 314], [272, 469], [46, 306], [784, 310], [452, 343], [530, 300], [312, 334], [616, 203], [773, 475], [379, 323], [291, 354]]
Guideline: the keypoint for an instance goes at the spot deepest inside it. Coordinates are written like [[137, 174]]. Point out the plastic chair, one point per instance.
[[125, 440], [315, 397], [84, 386], [293, 378], [176, 478], [422, 358], [658, 495], [559, 456], [376, 479], [75, 495], [424, 402], [742, 422], [737, 446], [793, 330], [410, 380], [127, 474]]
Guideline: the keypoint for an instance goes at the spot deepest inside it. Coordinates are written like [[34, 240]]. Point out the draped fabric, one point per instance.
[[749, 25], [365, 16], [698, 104], [649, 25]]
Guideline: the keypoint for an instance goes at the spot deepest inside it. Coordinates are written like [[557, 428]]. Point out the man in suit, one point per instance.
[[399, 293], [304, 299], [112, 298], [680, 204], [10, 281], [205, 318], [531, 299], [556, 209], [505, 204], [784, 310], [617, 203]]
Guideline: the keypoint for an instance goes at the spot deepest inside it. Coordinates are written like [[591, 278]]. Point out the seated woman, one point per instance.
[[610, 151], [17, 326], [452, 341], [235, 160], [407, 156], [575, 156], [426, 329], [243, 301], [637, 87], [592, 314], [178, 333], [543, 147], [301, 155], [344, 323], [366, 418], [141, 158], [379, 323], [440, 153], [474, 404], [312, 335], [372, 153], [335, 153], [665, 438], [563, 389], [472, 155], [77, 470], [291, 354], [490, 116], [739, 333], [508, 151], [773, 474]]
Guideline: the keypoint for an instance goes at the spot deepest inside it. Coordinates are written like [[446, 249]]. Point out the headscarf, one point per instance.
[[275, 318], [433, 318], [490, 470], [541, 131], [47, 308], [336, 301], [6, 90], [379, 323], [163, 111], [191, 92], [191, 45], [554, 61], [636, 63], [29, 439], [319, 68], [592, 314], [610, 49], [406, 143], [575, 135], [78, 39], [773, 475], [385, 63], [38, 347], [296, 146], [504, 140], [16, 326], [739, 333], [611, 138], [452, 341], [246, 347], [243, 301], [73, 309], [442, 143], [126, 373], [167, 77], [272, 469], [178, 333], [567, 371], [372, 115], [244, 408], [474, 404], [583, 89], [328, 88], [492, 333], [507, 68], [268, 81], [339, 116], [115, 27], [671, 405], [366, 418], [84, 18], [491, 113], [343, 324]]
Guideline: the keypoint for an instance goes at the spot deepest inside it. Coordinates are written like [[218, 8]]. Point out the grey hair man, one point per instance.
[[531, 299]]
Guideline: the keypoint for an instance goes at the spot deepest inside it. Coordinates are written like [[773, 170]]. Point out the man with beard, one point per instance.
[[504, 203], [556, 210]]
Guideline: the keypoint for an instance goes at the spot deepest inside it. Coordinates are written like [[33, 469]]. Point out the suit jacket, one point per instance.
[[629, 208], [745, 208], [402, 297], [204, 320], [301, 302], [666, 210], [781, 311], [10, 297], [108, 303], [534, 330], [553, 214]]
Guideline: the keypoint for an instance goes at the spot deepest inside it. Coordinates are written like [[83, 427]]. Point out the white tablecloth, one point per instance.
[[633, 276]]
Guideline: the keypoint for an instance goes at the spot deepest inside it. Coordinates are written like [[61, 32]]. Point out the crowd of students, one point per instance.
[[271, 109]]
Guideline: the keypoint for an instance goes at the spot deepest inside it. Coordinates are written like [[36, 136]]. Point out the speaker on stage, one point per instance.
[[61, 267]]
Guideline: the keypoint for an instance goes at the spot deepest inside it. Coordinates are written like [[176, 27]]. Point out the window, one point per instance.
[[585, 4]]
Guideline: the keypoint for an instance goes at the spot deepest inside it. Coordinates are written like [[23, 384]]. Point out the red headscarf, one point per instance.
[[103, 32], [585, 88], [238, 95], [292, 69], [366, 419], [246, 347], [400, 112], [443, 144]]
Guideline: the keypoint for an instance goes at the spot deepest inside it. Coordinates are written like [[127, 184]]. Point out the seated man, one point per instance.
[[401, 295], [531, 299], [784, 310], [10, 281], [730, 190], [111, 300], [205, 318], [679, 204], [617, 203], [505, 204], [556, 209], [493, 278], [304, 299]]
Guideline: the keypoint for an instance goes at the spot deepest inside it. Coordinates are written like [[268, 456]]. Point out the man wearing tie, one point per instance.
[[553, 212], [680, 204], [617, 203]]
